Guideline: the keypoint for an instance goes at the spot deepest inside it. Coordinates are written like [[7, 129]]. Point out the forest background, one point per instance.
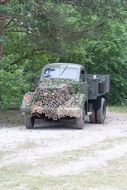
[[35, 32]]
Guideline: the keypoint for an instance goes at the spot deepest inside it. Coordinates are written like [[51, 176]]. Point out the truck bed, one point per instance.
[[99, 85]]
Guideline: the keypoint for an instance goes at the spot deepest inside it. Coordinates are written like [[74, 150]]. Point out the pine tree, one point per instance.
[[3, 18]]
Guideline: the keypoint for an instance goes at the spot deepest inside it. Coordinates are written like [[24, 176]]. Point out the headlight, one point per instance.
[[26, 101]]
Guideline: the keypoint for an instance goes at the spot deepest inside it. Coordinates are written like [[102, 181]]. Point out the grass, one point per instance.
[[74, 155], [118, 109], [112, 177], [10, 117], [11, 177], [28, 144], [4, 153]]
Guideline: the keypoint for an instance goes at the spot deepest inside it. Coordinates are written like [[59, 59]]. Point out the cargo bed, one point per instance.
[[99, 85]]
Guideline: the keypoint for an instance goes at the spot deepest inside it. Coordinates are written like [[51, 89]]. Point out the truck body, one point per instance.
[[66, 91]]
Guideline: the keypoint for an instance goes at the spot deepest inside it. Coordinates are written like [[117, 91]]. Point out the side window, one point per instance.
[[82, 76]]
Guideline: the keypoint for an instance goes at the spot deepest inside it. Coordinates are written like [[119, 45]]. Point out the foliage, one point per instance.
[[118, 109], [12, 84], [108, 55], [35, 32]]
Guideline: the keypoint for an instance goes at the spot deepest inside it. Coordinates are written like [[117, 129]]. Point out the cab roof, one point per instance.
[[74, 65]]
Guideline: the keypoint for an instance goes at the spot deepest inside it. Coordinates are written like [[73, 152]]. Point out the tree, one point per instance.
[[90, 32]]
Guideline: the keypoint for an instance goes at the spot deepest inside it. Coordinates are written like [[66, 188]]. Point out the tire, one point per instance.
[[101, 112], [80, 121], [98, 116], [30, 123]]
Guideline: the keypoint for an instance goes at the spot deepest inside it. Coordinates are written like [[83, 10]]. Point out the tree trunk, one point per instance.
[[2, 25]]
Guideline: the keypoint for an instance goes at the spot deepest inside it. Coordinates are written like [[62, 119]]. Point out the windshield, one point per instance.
[[64, 72]]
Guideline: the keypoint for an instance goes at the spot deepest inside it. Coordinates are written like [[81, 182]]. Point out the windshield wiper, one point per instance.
[[63, 70]]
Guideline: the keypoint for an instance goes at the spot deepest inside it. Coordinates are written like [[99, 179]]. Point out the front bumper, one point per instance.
[[57, 113]]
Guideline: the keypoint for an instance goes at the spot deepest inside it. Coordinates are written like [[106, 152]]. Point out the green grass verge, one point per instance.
[[10, 117], [117, 109]]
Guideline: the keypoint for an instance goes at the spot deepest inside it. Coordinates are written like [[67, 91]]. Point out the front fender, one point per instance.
[[80, 100], [26, 102]]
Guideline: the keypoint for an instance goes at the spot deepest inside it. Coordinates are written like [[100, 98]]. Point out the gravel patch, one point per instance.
[[29, 146]]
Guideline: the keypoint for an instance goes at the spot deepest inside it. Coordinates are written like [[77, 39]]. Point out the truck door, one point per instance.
[[83, 83]]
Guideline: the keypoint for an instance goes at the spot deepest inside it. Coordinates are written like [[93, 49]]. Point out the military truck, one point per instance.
[[65, 91]]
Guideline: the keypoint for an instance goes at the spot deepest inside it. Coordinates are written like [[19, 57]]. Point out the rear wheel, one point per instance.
[[98, 116], [101, 112], [30, 122]]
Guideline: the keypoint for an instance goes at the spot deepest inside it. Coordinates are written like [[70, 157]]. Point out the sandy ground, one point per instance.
[[59, 150], [58, 157]]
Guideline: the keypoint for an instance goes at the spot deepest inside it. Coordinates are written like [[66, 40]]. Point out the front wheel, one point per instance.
[[80, 121], [92, 117], [29, 123]]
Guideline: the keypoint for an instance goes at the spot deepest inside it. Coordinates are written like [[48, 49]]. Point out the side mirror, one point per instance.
[[82, 76]]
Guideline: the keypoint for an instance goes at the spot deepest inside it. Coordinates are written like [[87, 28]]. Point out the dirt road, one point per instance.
[[60, 157]]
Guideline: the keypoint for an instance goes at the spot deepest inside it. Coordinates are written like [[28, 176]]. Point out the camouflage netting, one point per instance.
[[57, 98]]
